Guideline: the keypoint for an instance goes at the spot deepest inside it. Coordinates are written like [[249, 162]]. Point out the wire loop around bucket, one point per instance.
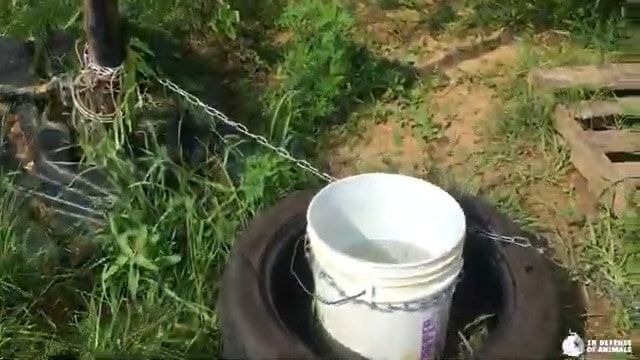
[[343, 300], [412, 306]]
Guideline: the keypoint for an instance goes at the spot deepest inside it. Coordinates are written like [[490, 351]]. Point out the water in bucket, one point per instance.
[[387, 251], [396, 240]]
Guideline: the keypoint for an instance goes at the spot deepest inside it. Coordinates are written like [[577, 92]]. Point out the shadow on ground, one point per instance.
[[238, 78]]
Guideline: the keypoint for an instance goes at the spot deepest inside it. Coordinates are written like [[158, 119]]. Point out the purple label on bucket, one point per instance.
[[428, 339]]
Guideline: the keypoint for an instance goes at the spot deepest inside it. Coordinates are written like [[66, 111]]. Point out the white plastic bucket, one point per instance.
[[385, 300]]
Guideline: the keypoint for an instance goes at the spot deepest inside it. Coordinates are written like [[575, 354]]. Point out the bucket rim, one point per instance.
[[361, 265], [314, 238]]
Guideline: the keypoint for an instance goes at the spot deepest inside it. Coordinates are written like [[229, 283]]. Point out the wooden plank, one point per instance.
[[610, 76], [603, 179], [628, 105], [104, 35], [629, 170], [590, 163], [608, 141]]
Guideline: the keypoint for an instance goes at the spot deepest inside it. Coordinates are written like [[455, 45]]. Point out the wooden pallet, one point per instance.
[[615, 180], [610, 76]]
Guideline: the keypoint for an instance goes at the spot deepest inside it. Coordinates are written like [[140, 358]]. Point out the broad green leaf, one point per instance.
[[141, 238], [123, 243], [145, 263], [133, 280], [169, 260], [110, 271]]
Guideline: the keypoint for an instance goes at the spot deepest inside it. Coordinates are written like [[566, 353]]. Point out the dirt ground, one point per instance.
[[465, 112]]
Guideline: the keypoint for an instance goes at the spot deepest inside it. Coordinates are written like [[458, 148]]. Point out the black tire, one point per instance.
[[71, 192], [262, 317], [75, 198]]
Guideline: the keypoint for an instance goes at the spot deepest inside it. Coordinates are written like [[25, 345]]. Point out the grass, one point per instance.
[[302, 76]]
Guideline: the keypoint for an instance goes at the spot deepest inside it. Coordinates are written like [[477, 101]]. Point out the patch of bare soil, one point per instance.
[[381, 146], [395, 29], [461, 110], [464, 112], [505, 55], [494, 64], [401, 34], [583, 200]]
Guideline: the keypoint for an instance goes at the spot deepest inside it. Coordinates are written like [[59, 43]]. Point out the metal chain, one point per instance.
[[343, 297], [519, 241], [303, 164], [191, 99]]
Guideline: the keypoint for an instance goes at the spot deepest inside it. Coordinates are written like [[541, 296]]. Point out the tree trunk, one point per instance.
[[104, 35]]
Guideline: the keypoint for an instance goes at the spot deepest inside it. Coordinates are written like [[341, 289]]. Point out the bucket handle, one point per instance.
[[413, 306], [338, 302]]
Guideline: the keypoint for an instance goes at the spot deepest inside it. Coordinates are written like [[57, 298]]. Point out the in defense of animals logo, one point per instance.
[[573, 345]]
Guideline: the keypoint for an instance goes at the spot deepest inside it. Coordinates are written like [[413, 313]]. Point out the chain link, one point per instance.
[[343, 297], [512, 240], [214, 113]]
